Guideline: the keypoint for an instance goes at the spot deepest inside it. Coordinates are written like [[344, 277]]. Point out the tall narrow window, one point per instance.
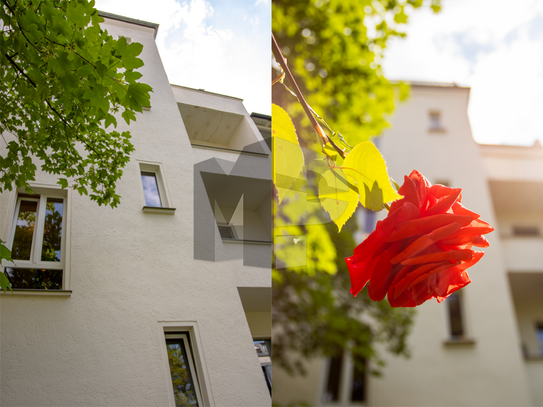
[[346, 382], [456, 322], [539, 333], [334, 377], [358, 391], [184, 378], [150, 189], [37, 243]]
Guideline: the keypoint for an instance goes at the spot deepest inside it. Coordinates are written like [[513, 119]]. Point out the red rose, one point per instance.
[[422, 249]]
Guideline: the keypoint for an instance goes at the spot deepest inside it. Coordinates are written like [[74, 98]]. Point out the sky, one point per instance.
[[222, 46], [495, 47]]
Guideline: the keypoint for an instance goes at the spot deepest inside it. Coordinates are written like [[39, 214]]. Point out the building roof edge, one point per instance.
[[129, 20]]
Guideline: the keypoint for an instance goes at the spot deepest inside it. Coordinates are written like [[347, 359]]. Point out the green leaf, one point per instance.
[[288, 159], [5, 253], [133, 50], [137, 96], [63, 183], [132, 76], [132, 63], [128, 115], [4, 283], [337, 197], [366, 166]]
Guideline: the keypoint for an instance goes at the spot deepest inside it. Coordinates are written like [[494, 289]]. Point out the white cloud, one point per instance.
[[200, 48], [493, 46]]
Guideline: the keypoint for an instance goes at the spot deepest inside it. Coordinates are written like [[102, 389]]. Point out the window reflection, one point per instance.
[[150, 189], [52, 231], [183, 384], [24, 230]]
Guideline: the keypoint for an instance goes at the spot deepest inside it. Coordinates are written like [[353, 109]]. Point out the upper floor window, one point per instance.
[[526, 230], [456, 320], [155, 194], [150, 189], [37, 242], [436, 124]]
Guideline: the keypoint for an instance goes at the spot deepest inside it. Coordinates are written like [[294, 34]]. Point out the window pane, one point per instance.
[[34, 278], [332, 387], [150, 189], [539, 331], [52, 231], [24, 230], [358, 392], [183, 385], [455, 315]]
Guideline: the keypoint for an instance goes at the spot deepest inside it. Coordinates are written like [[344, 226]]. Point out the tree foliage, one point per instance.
[[64, 80], [335, 49]]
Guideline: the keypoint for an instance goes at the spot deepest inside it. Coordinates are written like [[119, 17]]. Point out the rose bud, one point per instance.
[[422, 249]]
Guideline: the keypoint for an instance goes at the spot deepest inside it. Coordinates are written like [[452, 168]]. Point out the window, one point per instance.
[[150, 189], [226, 232], [539, 333], [436, 125], [156, 197], [346, 380], [263, 350], [183, 373], [526, 231], [37, 242], [456, 322]]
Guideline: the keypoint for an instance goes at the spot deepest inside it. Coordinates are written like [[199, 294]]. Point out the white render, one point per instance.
[[501, 363], [132, 275]]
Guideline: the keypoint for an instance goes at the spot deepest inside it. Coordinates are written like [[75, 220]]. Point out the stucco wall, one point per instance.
[[132, 274]]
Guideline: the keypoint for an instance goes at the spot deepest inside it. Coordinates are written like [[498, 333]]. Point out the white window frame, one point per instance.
[[44, 191], [183, 337], [198, 366], [163, 192]]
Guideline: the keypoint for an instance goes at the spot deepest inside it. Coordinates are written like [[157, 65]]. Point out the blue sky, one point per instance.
[[493, 46], [222, 46]]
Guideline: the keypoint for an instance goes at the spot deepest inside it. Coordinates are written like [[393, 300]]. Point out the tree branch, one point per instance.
[[324, 138]]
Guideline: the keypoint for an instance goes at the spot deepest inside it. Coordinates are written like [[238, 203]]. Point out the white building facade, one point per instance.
[[163, 300], [484, 346]]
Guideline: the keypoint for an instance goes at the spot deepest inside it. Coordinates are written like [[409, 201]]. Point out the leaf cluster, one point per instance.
[[65, 81], [335, 50]]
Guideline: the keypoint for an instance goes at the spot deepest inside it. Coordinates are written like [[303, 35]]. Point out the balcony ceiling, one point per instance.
[[208, 125], [526, 286], [517, 197]]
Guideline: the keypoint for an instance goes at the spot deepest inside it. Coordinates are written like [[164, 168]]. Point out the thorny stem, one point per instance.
[[282, 61]]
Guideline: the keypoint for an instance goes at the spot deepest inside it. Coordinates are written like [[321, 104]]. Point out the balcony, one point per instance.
[[523, 254]]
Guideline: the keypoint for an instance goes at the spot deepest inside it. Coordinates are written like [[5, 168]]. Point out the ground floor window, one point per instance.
[[184, 376]]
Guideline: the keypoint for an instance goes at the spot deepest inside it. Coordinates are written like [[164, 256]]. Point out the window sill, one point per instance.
[[459, 341], [158, 209], [50, 293]]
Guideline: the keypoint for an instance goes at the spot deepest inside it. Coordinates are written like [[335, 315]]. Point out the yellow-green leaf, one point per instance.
[[337, 198], [366, 166], [288, 159]]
